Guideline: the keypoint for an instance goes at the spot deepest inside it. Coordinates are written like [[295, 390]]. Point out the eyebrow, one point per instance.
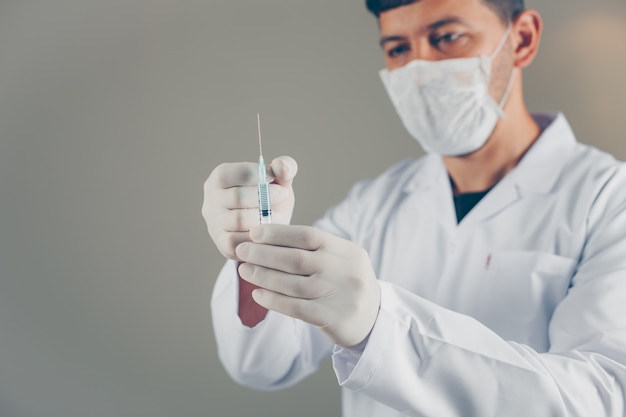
[[433, 26]]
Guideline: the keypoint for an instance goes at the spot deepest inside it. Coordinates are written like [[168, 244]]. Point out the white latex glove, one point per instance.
[[230, 206], [312, 276]]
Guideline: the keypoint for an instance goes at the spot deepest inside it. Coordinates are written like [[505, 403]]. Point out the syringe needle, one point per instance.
[[258, 119], [265, 211], [261, 161]]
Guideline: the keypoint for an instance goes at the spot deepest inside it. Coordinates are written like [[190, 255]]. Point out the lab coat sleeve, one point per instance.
[[279, 351], [424, 360], [276, 353]]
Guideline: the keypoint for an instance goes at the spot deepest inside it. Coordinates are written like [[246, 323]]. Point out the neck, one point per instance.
[[512, 137]]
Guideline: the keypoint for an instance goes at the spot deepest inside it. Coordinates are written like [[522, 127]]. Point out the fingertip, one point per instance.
[[256, 233], [245, 270], [241, 250], [258, 295], [284, 168]]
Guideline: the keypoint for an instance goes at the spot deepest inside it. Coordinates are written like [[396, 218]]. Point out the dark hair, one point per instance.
[[506, 9]]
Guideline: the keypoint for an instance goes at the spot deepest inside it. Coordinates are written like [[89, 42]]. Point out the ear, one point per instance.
[[526, 34]]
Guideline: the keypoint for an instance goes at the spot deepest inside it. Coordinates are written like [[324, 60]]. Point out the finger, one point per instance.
[[227, 242], [289, 260], [305, 310], [235, 174], [246, 197], [297, 286], [301, 237], [239, 220], [284, 169]]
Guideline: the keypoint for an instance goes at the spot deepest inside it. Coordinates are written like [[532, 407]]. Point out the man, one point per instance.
[[487, 278]]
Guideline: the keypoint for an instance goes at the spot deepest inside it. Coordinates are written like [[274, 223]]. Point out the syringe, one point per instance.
[[265, 210]]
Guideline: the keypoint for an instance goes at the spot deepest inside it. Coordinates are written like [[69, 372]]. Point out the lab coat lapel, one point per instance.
[[536, 173], [431, 191], [503, 195]]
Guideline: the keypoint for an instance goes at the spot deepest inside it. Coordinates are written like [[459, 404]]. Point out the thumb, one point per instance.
[[284, 169]]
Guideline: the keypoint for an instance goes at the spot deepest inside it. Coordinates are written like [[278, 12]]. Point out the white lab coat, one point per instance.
[[519, 310]]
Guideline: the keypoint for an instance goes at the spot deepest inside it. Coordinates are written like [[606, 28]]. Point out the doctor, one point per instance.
[[487, 278]]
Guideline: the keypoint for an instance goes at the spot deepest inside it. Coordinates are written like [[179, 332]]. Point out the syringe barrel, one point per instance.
[[265, 210]]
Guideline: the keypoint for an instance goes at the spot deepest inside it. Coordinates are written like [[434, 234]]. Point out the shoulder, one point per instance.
[[371, 201], [593, 169], [593, 184], [559, 162], [603, 177], [392, 182], [588, 160]]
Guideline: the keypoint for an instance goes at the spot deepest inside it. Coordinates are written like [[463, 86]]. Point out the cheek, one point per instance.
[[501, 70], [395, 63]]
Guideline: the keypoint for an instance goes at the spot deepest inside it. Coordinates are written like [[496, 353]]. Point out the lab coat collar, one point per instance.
[[542, 165], [536, 173], [538, 170]]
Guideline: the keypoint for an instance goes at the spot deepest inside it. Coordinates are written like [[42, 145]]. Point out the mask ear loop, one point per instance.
[[509, 87], [506, 95], [505, 37]]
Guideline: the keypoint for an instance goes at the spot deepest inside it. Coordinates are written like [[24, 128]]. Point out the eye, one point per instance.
[[446, 40], [397, 50]]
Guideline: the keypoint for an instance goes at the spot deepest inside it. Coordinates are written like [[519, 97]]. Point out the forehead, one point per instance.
[[422, 13]]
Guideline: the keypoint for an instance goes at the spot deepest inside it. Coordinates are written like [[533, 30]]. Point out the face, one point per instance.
[[438, 29], [444, 29]]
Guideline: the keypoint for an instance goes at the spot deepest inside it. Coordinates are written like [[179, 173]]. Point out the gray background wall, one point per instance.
[[113, 113]]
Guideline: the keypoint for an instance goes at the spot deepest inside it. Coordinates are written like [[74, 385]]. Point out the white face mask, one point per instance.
[[445, 105]]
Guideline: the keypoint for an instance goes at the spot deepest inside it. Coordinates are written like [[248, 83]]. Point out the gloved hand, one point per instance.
[[230, 206], [312, 276]]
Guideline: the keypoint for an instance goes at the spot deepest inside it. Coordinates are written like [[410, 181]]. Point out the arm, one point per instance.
[[263, 352], [425, 360], [451, 365], [276, 353]]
